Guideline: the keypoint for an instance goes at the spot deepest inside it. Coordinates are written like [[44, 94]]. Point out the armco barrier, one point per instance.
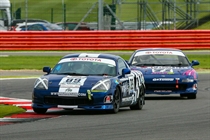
[[104, 40]]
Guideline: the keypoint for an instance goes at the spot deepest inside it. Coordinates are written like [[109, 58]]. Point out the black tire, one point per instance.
[[140, 101], [191, 96], [40, 110], [183, 95], [116, 101]]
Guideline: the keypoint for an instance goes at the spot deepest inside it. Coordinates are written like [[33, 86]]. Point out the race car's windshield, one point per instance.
[[84, 68], [160, 60]]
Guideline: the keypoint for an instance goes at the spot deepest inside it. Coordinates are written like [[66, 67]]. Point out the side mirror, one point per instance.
[[125, 71], [47, 69], [195, 62]]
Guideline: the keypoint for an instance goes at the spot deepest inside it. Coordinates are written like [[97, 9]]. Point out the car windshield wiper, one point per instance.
[[179, 65], [70, 73], [103, 74], [142, 64]]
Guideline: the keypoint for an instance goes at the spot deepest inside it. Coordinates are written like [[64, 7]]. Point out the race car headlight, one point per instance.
[[101, 86], [41, 83], [188, 80]]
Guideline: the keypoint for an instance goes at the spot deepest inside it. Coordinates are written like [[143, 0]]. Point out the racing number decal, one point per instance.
[[72, 81], [70, 85], [138, 83]]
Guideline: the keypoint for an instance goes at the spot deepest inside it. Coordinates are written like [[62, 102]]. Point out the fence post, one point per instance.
[[100, 14]]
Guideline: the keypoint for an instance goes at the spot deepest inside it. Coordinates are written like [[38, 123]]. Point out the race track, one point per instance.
[[162, 118]]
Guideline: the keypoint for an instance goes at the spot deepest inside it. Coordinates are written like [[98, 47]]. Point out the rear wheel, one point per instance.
[[183, 95], [40, 110], [140, 101]]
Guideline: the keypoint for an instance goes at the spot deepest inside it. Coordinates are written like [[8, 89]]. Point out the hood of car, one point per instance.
[[72, 81], [165, 70]]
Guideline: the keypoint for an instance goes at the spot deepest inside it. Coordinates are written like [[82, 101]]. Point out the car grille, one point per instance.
[[67, 100], [166, 87]]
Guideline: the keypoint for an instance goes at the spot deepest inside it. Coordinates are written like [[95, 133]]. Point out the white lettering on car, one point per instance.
[[162, 79]]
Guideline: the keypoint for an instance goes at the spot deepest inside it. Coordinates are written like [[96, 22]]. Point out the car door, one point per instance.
[[126, 84]]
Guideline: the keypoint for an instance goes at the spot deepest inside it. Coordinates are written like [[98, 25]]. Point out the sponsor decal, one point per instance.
[[89, 94], [191, 72], [162, 70], [159, 52], [162, 79], [125, 88], [70, 85], [127, 99], [86, 59], [131, 83], [108, 99], [68, 90], [116, 82], [195, 87], [165, 67], [69, 94], [89, 59], [68, 106]]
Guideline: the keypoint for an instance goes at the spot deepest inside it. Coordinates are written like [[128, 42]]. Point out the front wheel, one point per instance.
[[40, 110], [116, 101], [191, 96], [140, 101]]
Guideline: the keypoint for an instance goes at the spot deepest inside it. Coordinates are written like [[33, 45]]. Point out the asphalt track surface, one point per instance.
[[162, 118]]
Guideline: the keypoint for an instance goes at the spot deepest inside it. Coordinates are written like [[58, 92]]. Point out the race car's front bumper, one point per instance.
[[171, 88], [96, 101]]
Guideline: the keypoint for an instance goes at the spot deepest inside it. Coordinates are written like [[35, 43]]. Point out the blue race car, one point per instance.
[[90, 82], [166, 71]]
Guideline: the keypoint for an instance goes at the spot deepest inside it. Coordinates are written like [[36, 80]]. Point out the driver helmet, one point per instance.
[[78, 66], [144, 57]]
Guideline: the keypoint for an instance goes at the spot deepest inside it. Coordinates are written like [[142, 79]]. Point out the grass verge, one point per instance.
[[7, 110], [38, 62]]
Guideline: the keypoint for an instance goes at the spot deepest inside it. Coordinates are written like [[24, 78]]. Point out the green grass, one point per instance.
[[7, 110], [203, 59], [38, 62], [27, 62], [76, 10]]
